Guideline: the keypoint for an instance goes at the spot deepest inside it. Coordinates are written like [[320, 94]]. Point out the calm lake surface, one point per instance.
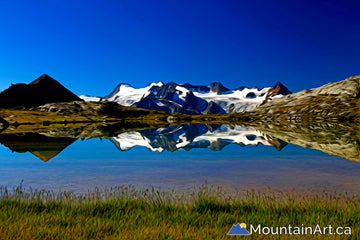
[[175, 157]]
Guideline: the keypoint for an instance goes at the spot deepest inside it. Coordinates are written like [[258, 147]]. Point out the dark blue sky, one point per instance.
[[91, 46]]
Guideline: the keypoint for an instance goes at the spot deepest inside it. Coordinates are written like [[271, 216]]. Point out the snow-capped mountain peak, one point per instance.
[[194, 99], [127, 95]]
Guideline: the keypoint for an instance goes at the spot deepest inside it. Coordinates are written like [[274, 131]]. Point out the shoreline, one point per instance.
[[126, 213]]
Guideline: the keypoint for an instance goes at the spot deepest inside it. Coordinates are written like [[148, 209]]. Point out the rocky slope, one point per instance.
[[337, 101], [41, 91], [97, 109]]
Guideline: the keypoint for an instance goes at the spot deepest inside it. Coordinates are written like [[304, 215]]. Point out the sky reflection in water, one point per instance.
[[94, 163]]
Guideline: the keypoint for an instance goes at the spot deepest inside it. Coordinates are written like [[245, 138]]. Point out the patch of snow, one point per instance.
[[128, 140], [237, 98], [88, 98], [238, 135], [182, 141]]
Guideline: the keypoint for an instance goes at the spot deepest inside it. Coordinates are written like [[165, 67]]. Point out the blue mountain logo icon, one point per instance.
[[238, 229]]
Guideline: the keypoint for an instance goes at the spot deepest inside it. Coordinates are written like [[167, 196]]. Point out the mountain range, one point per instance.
[[336, 101], [192, 99]]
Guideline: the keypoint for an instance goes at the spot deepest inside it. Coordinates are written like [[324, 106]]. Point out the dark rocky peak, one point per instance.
[[41, 91], [187, 85], [279, 88], [197, 88], [44, 80], [167, 91], [171, 85], [218, 87], [166, 98]]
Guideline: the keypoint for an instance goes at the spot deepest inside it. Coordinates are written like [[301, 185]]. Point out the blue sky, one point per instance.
[[91, 46]]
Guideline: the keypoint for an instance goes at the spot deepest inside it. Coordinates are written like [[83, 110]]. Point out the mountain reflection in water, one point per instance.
[[336, 139], [170, 138], [189, 136], [41, 146]]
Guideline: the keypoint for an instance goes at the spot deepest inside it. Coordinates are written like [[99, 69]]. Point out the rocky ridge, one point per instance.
[[334, 101]]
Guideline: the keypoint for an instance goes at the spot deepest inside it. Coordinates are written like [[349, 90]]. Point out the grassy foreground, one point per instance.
[[205, 213]]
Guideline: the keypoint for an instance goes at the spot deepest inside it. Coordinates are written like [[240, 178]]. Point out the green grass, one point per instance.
[[204, 213]]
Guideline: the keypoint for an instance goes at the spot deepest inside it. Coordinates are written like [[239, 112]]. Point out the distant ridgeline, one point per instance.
[[337, 101], [171, 97], [192, 99], [41, 91]]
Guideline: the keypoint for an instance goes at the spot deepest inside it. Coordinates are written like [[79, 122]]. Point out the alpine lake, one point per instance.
[[316, 158]]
